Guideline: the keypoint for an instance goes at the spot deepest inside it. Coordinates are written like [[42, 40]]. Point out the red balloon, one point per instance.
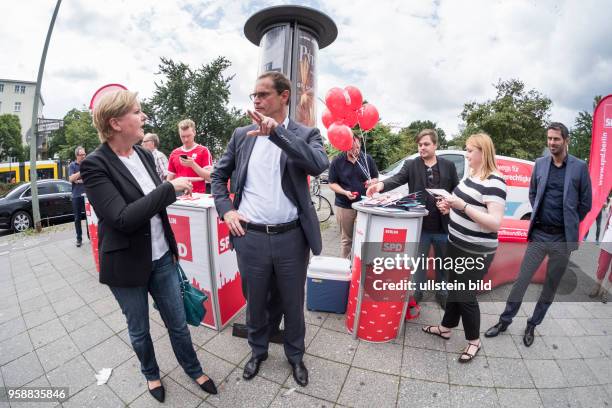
[[327, 118], [367, 116], [337, 102], [350, 119], [355, 97], [340, 136]]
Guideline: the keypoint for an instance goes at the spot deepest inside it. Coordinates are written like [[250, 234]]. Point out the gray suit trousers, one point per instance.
[[282, 260]]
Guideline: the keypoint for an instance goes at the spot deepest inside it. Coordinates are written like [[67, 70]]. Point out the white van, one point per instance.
[[516, 172]]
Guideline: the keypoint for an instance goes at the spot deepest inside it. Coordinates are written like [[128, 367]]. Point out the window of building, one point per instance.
[[1, 87], [17, 107], [20, 89]]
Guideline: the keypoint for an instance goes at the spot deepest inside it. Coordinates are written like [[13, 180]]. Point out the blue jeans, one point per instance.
[[439, 242], [134, 302], [540, 245]]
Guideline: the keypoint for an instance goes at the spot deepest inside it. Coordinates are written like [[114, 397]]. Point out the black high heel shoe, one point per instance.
[[159, 393], [208, 386]]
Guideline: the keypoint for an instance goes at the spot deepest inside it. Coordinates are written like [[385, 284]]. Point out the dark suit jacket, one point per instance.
[[124, 214], [577, 195], [413, 172], [302, 155]]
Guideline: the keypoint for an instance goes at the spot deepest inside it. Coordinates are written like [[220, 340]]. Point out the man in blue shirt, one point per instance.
[[350, 174], [560, 195], [78, 201]]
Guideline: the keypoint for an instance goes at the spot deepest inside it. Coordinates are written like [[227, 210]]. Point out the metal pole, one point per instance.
[[34, 136]]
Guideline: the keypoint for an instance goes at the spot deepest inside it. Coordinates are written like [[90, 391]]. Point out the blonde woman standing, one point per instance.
[[476, 210]]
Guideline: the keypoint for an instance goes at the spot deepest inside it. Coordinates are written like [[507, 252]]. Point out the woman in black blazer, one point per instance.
[[137, 249]]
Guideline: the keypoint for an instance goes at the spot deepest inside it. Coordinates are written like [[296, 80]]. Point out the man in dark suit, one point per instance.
[[272, 220], [426, 171], [560, 195]]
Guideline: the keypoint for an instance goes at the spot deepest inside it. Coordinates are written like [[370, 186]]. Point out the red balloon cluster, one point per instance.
[[345, 109]]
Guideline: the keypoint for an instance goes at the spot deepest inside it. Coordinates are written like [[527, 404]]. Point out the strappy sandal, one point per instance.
[[469, 356], [427, 329]]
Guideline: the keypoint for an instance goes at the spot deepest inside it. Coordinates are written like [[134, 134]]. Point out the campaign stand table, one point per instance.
[[397, 231], [204, 252]]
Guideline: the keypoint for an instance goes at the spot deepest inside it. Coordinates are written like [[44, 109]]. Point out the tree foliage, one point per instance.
[[10, 138], [200, 94], [581, 133], [384, 146], [410, 132], [516, 120], [78, 130]]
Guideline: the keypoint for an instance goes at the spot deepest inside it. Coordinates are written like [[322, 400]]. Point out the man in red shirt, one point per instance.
[[191, 159]]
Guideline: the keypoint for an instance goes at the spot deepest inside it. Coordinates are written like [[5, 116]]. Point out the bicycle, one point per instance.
[[321, 204]]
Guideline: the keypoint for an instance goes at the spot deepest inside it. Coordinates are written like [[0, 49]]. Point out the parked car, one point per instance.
[[55, 202], [516, 172]]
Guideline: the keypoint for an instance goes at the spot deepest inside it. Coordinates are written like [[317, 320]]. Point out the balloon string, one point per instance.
[[362, 168], [365, 149]]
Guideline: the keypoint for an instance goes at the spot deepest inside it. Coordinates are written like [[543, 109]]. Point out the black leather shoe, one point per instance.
[[208, 386], [300, 373], [495, 330], [79, 243], [252, 366], [278, 337], [159, 393], [529, 336]]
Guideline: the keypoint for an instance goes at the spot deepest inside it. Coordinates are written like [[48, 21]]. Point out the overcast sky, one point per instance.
[[411, 59]]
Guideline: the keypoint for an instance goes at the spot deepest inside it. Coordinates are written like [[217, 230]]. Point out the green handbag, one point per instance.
[[193, 299]]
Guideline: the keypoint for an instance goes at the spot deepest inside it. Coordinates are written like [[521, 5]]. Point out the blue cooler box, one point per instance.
[[327, 284]]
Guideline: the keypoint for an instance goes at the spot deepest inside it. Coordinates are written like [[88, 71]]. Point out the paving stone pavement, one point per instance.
[[58, 326]]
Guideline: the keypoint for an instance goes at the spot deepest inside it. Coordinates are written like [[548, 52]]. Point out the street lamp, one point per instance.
[[34, 136]]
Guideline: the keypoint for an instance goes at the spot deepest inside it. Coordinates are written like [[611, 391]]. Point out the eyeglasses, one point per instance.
[[259, 95], [147, 140], [81, 154]]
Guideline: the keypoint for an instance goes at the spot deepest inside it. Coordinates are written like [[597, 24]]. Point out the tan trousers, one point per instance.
[[346, 220]]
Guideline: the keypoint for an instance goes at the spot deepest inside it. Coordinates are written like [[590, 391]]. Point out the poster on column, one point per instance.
[[306, 77], [189, 227], [599, 169], [228, 281]]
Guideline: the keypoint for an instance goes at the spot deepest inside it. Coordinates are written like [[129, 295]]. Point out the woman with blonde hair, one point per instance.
[[137, 249], [476, 210]]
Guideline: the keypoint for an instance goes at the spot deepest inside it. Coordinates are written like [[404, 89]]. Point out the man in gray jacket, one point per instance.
[[560, 195], [272, 220]]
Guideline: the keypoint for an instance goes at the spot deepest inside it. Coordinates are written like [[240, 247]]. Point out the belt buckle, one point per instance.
[[269, 232]]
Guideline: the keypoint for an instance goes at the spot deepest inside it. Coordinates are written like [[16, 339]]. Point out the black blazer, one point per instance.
[[414, 173], [577, 195], [302, 154], [124, 215]]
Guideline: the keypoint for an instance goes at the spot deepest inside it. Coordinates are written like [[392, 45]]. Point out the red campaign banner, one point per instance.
[[599, 170], [394, 240], [182, 233], [222, 236], [515, 173]]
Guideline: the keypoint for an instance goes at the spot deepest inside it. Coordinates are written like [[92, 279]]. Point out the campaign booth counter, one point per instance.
[[204, 251], [373, 318]]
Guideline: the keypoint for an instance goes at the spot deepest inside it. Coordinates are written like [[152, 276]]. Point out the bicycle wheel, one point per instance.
[[322, 207]]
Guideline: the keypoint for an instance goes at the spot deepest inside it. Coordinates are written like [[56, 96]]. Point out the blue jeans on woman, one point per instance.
[[165, 290]]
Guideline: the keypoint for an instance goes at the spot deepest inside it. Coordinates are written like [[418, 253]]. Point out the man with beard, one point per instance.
[[560, 195]]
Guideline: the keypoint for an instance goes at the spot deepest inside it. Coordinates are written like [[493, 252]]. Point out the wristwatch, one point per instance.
[[464, 207]]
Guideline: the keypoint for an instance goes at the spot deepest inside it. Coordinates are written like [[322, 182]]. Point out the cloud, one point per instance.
[[413, 60]]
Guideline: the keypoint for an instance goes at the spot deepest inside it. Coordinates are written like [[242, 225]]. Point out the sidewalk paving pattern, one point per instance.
[[59, 326]]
